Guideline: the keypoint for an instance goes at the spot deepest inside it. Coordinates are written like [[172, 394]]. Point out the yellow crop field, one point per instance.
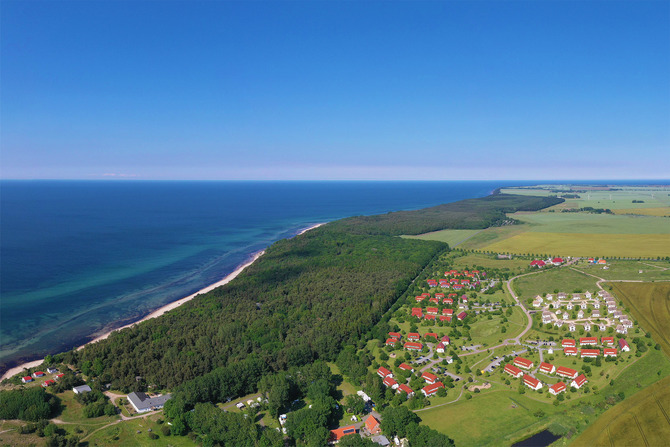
[[585, 244], [661, 211]]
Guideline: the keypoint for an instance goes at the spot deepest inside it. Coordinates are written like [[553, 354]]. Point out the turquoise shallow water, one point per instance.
[[80, 257]]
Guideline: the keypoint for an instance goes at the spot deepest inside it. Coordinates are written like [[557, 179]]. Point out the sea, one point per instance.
[[79, 258]]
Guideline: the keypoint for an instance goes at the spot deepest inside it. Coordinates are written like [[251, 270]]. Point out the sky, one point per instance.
[[320, 90]]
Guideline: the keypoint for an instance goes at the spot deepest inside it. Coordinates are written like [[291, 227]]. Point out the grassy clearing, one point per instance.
[[492, 235], [9, 435], [581, 244], [451, 237], [126, 434], [629, 270], [556, 279], [488, 262], [650, 305], [660, 211]]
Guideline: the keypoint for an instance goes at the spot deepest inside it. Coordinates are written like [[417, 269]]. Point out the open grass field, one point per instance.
[[640, 420], [561, 279], [650, 305], [451, 237], [488, 262], [661, 211], [491, 235], [136, 433], [629, 270], [593, 223]]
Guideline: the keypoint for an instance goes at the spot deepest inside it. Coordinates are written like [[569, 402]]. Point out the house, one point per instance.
[[59, 376], [513, 371], [49, 382], [557, 388], [336, 435], [523, 363], [445, 339], [406, 389], [531, 382], [142, 403], [372, 425], [595, 313], [37, 374], [431, 283], [550, 297], [464, 298], [568, 343], [383, 372], [620, 329], [607, 341], [580, 314], [623, 345], [431, 310], [569, 306], [81, 389], [405, 367], [445, 318], [448, 301], [587, 326], [391, 382], [417, 312], [414, 336], [579, 381], [570, 351], [26, 379], [429, 317], [587, 295], [52, 370], [440, 348], [430, 378], [610, 352], [562, 296], [431, 390], [537, 303], [576, 296], [546, 317], [583, 305], [566, 372], [558, 323], [447, 312], [461, 316], [430, 334], [601, 262], [588, 341], [572, 327], [439, 296], [596, 305], [391, 341], [419, 298], [557, 261], [590, 353], [395, 335], [413, 346], [547, 368], [627, 324], [537, 263]]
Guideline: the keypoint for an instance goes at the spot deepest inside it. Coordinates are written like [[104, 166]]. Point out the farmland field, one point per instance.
[[620, 198], [593, 223], [661, 211], [561, 279], [629, 270]]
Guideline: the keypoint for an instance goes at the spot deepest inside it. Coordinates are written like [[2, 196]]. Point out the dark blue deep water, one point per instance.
[[80, 257]]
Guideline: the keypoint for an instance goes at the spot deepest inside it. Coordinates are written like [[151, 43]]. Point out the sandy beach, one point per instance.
[[160, 311]]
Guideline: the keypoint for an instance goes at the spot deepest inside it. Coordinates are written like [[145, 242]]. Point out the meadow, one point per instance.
[[556, 279], [593, 223], [451, 237], [629, 270]]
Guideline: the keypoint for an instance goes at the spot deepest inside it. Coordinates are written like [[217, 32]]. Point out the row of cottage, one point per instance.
[[433, 383], [414, 337], [457, 280], [570, 346], [39, 374], [578, 380]]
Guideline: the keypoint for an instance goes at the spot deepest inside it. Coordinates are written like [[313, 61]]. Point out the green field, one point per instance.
[[490, 235], [451, 237], [593, 223], [561, 279], [629, 270], [488, 262], [653, 196]]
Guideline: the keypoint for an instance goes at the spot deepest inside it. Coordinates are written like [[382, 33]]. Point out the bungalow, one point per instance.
[[588, 341], [429, 317], [417, 312], [391, 341], [618, 314], [579, 381], [413, 336], [336, 435], [590, 353], [557, 261], [531, 382], [444, 284], [431, 390], [383, 372], [445, 318], [570, 351], [81, 389], [49, 382], [402, 387], [430, 378], [537, 263], [623, 345], [610, 352], [464, 298], [461, 316], [569, 306], [601, 262], [372, 425], [587, 326], [558, 323], [537, 303], [448, 301], [580, 314], [413, 346], [52, 370], [572, 327], [576, 296], [26, 379], [445, 339], [587, 295], [566, 372], [550, 297], [583, 306], [431, 310], [453, 295], [440, 348], [434, 300], [627, 324], [596, 305], [391, 382], [523, 363], [419, 298], [431, 282], [547, 368], [458, 286], [59, 376], [142, 403], [405, 367], [439, 296], [37, 374], [620, 329], [546, 317], [595, 313], [557, 388], [395, 335], [447, 312], [430, 334], [513, 371], [562, 296], [607, 341], [568, 343]]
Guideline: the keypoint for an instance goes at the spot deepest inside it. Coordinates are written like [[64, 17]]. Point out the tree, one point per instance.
[[396, 420], [356, 441], [354, 404]]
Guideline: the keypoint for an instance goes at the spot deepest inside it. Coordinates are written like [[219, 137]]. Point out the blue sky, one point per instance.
[[335, 90]]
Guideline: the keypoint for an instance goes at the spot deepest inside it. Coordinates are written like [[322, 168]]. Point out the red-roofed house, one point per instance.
[[610, 352], [445, 339], [568, 343], [406, 389], [406, 367], [26, 379], [557, 388], [59, 376], [557, 261], [413, 346], [570, 351], [413, 336], [448, 301], [568, 373], [537, 263], [623, 345], [391, 341], [590, 353], [429, 377], [37, 374], [579, 381], [439, 296], [419, 298], [513, 371], [431, 282], [383, 372], [447, 311], [547, 368], [431, 390], [439, 348], [429, 317], [461, 316], [431, 334], [608, 341], [390, 381], [417, 312], [523, 363], [395, 335], [49, 382], [372, 425], [336, 435], [445, 318], [531, 382], [588, 341], [434, 300]]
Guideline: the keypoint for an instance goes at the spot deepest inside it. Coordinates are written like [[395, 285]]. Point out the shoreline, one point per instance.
[[161, 310]]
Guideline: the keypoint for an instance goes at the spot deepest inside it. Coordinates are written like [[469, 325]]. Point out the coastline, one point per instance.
[[161, 310]]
